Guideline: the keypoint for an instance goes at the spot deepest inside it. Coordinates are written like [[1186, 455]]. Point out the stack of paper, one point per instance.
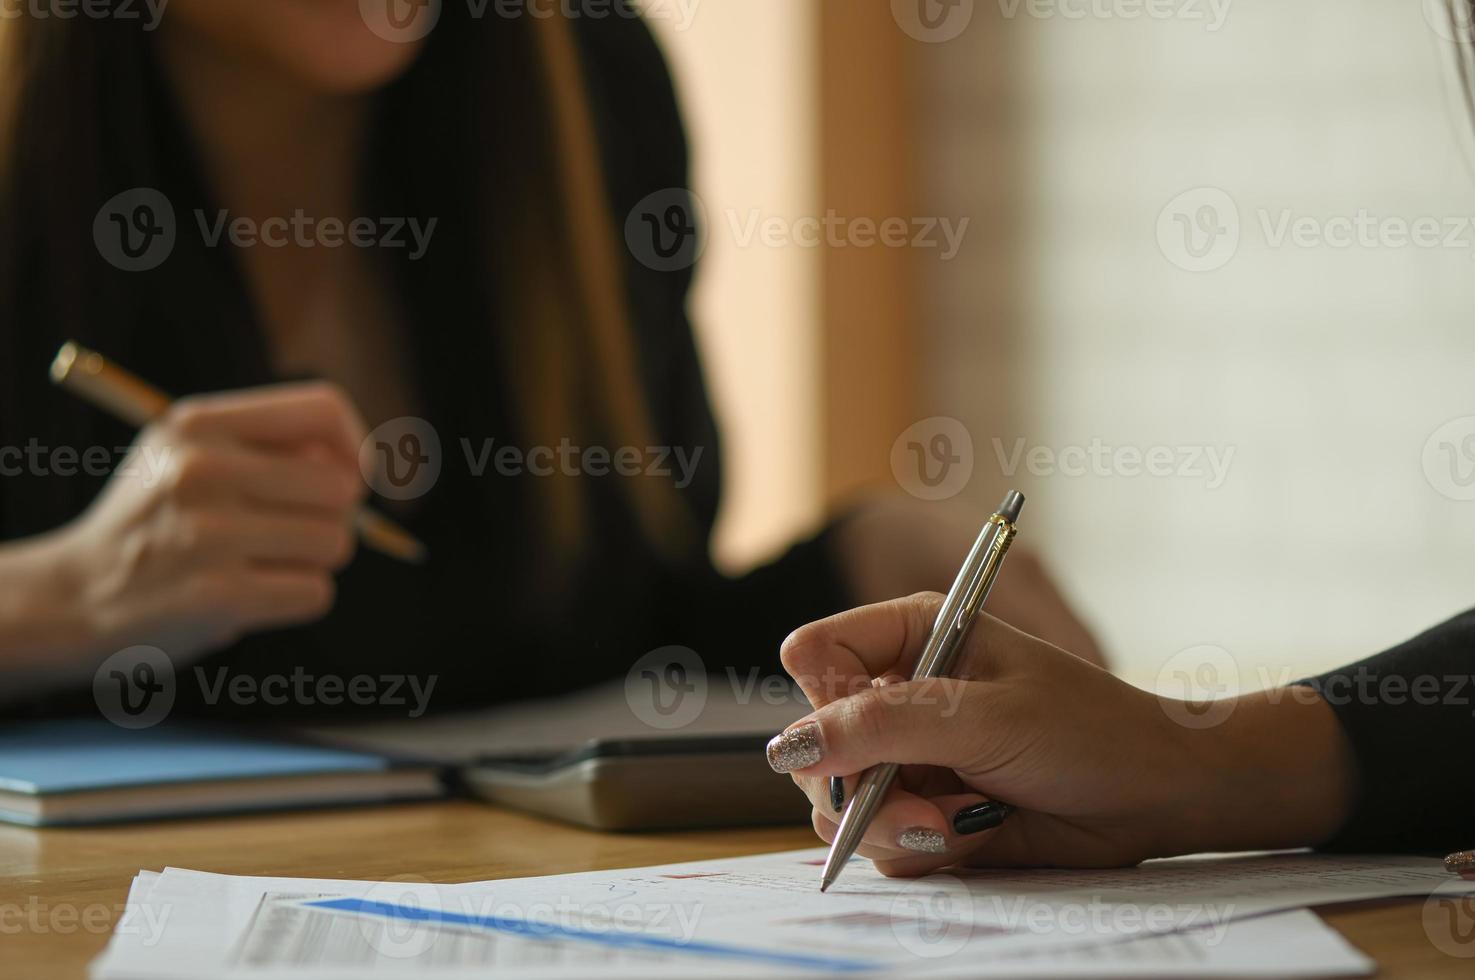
[[763, 916]]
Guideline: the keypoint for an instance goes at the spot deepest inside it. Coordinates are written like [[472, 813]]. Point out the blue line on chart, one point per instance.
[[541, 930]]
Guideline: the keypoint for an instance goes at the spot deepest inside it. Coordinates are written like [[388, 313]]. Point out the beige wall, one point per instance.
[[744, 72], [1325, 369]]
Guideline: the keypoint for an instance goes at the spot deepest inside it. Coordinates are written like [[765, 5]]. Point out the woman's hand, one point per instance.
[[231, 514], [895, 546], [1098, 772]]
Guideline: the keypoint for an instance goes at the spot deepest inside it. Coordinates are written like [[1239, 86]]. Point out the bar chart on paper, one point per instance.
[[764, 916]]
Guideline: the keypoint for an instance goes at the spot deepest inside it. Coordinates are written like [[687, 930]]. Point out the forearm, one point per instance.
[[44, 631], [1276, 772], [1357, 759]]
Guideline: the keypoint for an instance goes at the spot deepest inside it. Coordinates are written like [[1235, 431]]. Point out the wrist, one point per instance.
[[45, 622], [1276, 772]]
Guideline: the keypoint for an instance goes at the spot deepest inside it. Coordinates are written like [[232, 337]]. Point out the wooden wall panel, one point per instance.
[[868, 295]]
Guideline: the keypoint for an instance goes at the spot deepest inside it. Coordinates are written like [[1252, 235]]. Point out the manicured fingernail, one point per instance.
[[797, 748], [1460, 862], [837, 793], [922, 840], [983, 816]]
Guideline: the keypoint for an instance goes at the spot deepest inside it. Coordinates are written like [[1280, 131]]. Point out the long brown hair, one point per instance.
[[543, 237], [572, 278]]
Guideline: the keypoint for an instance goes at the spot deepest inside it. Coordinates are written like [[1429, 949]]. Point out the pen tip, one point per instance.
[[824, 886], [1012, 505]]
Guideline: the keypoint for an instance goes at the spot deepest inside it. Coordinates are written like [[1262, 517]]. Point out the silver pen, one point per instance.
[[959, 609]]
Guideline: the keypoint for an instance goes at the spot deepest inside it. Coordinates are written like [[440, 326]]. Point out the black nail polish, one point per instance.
[[837, 793], [984, 816]]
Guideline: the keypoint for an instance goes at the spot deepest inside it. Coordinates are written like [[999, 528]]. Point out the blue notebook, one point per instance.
[[79, 771]]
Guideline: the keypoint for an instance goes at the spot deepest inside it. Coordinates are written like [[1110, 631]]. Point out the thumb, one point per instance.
[[926, 722]]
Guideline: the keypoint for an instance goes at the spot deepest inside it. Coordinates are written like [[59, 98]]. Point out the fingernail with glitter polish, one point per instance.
[[983, 816], [922, 840], [837, 793], [796, 748]]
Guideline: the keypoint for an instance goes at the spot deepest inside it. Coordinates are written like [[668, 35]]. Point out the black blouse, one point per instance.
[[466, 615]]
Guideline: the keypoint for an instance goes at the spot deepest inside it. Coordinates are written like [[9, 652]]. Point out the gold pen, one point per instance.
[[95, 379], [955, 618]]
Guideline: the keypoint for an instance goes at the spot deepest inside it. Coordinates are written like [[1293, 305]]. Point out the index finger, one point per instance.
[[285, 414], [836, 657]]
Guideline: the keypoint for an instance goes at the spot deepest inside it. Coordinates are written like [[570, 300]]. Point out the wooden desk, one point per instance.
[[62, 890]]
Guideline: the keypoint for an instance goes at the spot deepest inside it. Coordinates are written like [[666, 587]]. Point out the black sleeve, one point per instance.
[[1409, 717], [740, 622]]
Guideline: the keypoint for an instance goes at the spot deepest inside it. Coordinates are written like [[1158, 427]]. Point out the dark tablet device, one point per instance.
[[645, 784]]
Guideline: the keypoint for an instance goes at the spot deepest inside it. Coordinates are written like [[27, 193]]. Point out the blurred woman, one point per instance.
[[487, 165]]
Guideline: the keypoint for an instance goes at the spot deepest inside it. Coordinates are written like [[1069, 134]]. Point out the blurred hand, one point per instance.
[[230, 514], [896, 546], [1099, 773]]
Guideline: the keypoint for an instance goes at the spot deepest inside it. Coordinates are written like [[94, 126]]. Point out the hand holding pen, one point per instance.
[[230, 514], [960, 608], [1095, 772]]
